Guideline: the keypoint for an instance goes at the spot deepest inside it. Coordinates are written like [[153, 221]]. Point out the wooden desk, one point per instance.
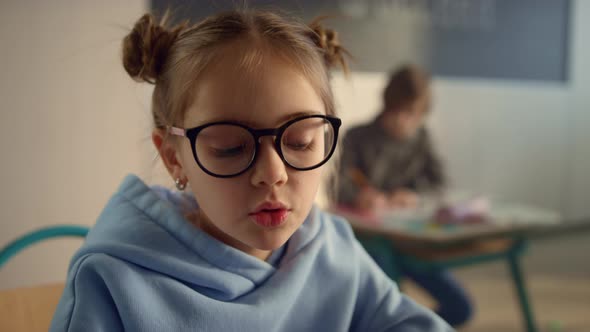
[[29, 309], [424, 245], [415, 231]]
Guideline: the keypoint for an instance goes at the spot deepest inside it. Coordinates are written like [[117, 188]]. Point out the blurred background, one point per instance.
[[511, 118]]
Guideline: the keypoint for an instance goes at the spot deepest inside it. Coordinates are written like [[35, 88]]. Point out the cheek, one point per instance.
[[210, 192], [403, 125], [411, 123], [216, 190], [222, 200], [187, 160], [306, 183]]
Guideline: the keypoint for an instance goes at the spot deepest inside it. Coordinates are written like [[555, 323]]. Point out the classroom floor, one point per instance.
[[560, 305], [558, 280]]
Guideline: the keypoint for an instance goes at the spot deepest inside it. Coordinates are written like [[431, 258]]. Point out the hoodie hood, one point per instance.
[[146, 227]]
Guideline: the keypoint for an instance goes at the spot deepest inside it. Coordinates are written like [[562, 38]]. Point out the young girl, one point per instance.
[[244, 119]]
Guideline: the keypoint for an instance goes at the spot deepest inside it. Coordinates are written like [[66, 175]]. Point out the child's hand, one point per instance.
[[371, 199], [404, 199]]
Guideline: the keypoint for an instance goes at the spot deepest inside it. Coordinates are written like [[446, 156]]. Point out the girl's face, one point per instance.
[[259, 210]]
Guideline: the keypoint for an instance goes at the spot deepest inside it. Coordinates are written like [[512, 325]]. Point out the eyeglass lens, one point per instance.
[[227, 149]]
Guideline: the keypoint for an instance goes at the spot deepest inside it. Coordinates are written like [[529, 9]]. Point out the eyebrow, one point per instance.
[[296, 115], [281, 121]]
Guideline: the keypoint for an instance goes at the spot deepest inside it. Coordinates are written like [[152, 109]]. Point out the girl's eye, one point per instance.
[[228, 152], [299, 145]]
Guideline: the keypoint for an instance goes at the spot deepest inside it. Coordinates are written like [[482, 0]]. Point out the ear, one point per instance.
[[168, 152]]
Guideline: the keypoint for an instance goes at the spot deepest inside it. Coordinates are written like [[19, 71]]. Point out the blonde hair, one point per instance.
[[173, 58]]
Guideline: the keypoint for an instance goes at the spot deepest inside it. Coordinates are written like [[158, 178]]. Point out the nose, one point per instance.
[[269, 169]]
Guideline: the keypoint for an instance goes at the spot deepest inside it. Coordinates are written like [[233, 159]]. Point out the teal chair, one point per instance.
[[28, 239]]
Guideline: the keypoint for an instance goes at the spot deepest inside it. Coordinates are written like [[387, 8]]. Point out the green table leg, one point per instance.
[[523, 299], [384, 253]]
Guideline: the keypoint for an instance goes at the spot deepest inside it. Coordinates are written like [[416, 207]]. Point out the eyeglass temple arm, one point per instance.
[[176, 131]]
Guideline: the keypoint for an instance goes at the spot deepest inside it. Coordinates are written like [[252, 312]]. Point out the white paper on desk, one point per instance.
[[519, 214], [405, 218]]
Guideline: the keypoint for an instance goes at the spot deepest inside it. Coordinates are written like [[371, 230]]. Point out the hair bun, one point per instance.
[[146, 48], [327, 39]]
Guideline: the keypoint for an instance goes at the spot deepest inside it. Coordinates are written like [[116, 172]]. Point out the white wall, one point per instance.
[[521, 141], [579, 123], [72, 124], [504, 139]]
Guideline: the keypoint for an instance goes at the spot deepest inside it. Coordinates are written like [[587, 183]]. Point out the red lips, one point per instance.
[[270, 214]]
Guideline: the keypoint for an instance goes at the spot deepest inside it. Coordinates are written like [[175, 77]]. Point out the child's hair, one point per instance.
[[406, 84], [174, 58]]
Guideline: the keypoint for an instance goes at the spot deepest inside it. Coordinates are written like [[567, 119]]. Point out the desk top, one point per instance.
[[419, 228]]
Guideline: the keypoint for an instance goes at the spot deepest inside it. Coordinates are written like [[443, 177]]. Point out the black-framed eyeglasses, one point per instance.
[[227, 149]]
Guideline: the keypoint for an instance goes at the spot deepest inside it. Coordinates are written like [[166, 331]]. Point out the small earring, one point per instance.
[[179, 185]]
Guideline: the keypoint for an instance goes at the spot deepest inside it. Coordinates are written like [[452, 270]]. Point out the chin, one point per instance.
[[271, 242], [406, 135]]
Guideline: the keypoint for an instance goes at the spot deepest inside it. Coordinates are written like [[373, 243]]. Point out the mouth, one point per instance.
[[270, 214]]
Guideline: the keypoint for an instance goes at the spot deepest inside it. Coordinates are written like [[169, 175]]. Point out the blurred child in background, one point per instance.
[[390, 163]]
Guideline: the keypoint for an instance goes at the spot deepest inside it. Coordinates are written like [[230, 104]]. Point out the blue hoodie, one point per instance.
[[143, 267]]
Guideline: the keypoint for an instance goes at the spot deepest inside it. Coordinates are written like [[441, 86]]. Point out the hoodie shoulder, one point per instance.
[[338, 224], [87, 302]]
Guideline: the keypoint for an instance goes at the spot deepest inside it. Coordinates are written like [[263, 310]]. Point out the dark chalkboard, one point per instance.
[[502, 39]]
